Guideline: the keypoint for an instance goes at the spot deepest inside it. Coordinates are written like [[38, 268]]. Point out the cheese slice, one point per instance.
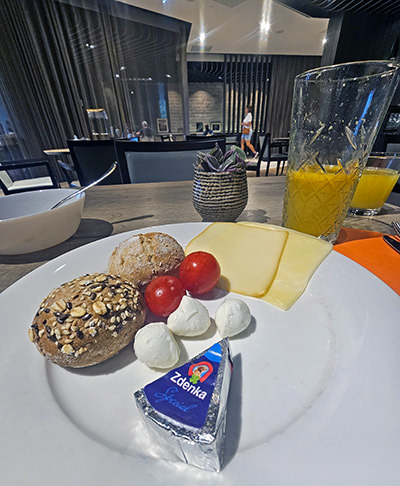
[[248, 256], [301, 257]]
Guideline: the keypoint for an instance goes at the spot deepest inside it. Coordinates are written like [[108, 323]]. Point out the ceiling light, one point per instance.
[[122, 68], [168, 76], [324, 40], [265, 26], [117, 75], [90, 46], [202, 37]]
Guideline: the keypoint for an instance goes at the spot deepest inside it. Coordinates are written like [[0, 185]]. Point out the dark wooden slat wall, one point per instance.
[[266, 83], [283, 71]]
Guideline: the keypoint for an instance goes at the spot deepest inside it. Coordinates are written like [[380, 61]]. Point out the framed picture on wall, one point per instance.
[[199, 127], [162, 125], [216, 126]]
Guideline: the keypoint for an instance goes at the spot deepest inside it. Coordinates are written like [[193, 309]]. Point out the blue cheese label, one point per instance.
[[185, 410], [184, 393]]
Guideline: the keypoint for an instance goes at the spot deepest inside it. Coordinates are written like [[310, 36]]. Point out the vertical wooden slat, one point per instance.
[[268, 83], [257, 94], [246, 58], [263, 85], [234, 113], [229, 92], [264, 92], [240, 90], [254, 80], [185, 90], [224, 98], [249, 92]]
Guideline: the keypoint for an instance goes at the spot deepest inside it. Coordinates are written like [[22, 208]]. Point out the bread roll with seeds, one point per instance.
[[143, 257], [87, 320]]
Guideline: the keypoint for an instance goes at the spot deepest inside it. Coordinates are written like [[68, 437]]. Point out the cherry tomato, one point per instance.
[[164, 294], [199, 272]]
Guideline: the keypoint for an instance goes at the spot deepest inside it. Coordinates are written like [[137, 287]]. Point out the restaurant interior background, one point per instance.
[[98, 68]]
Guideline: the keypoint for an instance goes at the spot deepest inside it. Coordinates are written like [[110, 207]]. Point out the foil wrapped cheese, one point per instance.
[[186, 408]]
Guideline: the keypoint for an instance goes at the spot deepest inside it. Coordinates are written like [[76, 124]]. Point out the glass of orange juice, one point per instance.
[[336, 114], [377, 181]]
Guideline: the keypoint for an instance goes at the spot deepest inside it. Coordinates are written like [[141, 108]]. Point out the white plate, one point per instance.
[[315, 394]]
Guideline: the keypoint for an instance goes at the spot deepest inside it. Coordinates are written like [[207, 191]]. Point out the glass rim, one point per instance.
[[391, 67]]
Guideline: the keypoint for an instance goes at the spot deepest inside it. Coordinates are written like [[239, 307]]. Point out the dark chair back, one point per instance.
[[27, 175], [275, 153], [197, 138], [391, 143], [160, 162], [264, 139], [92, 158], [232, 139]]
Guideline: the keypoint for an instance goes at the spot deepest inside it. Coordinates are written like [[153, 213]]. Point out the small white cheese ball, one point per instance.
[[232, 317], [191, 318], [155, 346]]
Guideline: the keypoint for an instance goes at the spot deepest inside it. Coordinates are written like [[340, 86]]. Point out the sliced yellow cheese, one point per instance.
[[301, 257], [248, 256]]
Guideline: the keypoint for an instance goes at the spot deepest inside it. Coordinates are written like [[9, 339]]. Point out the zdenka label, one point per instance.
[[184, 393]]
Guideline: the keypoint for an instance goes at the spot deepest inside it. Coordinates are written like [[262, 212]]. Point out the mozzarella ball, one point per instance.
[[191, 318], [232, 317], [155, 346]]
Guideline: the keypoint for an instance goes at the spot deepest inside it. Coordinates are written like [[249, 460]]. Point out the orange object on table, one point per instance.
[[369, 250]]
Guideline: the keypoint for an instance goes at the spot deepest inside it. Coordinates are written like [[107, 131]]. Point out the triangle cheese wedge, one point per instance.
[[301, 257], [185, 410], [248, 256]]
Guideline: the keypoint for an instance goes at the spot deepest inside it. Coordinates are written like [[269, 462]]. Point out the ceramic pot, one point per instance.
[[219, 196]]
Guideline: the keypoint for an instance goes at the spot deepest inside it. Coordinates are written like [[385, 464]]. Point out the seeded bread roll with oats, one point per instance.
[[87, 320], [143, 257]]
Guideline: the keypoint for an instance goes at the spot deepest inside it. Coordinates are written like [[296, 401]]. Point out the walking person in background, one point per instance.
[[247, 132], [145, 134]]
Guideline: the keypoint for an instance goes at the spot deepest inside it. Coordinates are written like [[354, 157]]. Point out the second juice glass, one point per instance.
[[377, 181]]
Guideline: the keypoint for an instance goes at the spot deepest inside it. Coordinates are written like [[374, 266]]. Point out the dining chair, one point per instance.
[[26, 175], [392, 147], [197, 138], [255, 165], [160, 162], [274, 153], [68, 172], [232, 139], [92, 158]]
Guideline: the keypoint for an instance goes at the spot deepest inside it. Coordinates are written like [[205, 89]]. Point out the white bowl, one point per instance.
[[27, 224]]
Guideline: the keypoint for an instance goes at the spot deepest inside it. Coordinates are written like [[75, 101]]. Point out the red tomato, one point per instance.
[[199, 272], [164, 294]]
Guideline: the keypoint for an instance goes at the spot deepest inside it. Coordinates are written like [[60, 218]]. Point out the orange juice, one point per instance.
[[375, 185], [316, 202]]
